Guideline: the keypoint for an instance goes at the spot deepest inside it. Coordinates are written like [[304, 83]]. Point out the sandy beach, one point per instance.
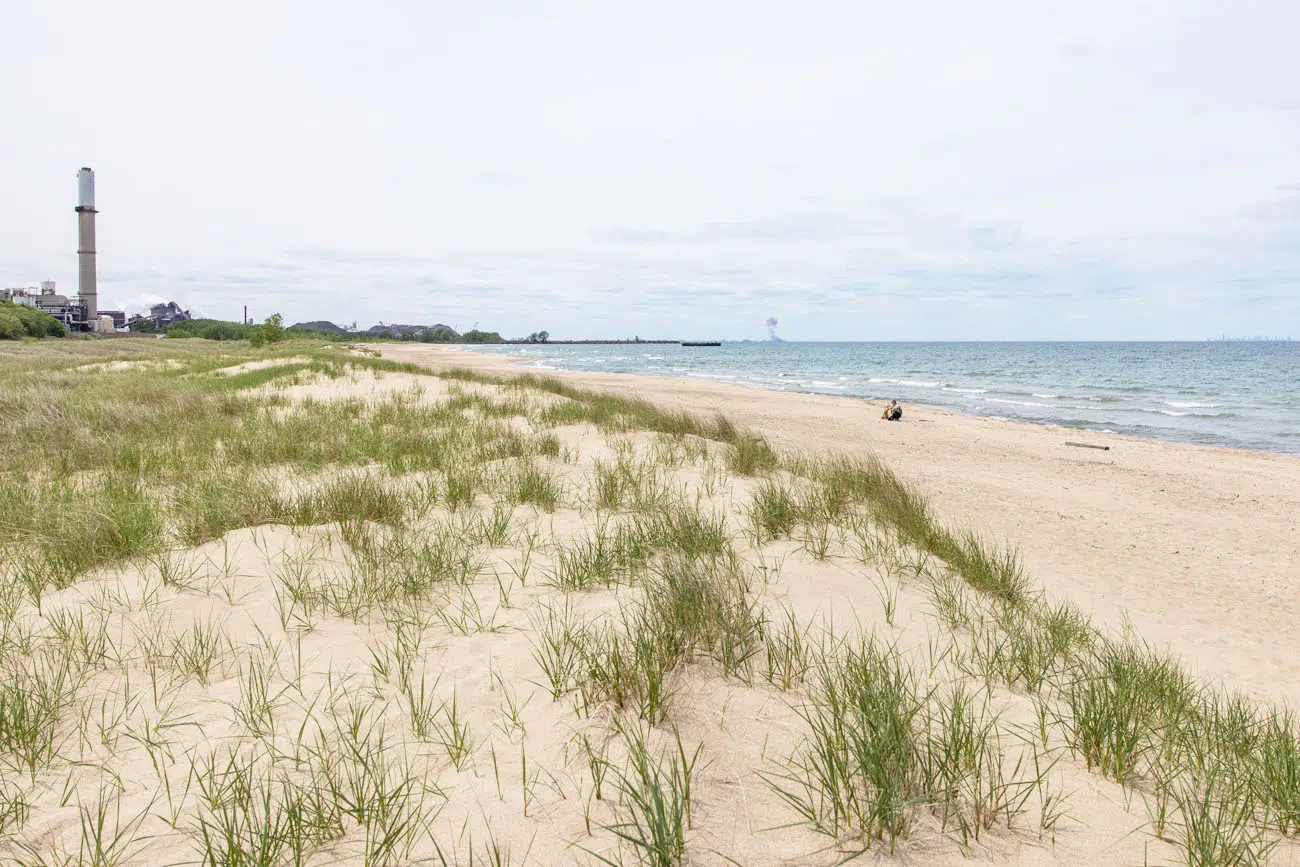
[[1198, 546], [384, 606]]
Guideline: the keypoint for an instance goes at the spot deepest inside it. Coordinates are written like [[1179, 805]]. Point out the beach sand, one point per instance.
[[266, 660], [1199, 547]]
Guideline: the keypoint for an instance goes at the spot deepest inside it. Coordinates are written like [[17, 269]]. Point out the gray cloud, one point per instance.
[[856, 169]]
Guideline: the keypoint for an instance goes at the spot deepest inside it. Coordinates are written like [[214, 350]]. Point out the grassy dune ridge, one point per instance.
[[308, 605]]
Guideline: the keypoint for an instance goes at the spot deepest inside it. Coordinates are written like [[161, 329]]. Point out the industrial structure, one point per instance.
[[45, 299], [81, 312], [161, 315], [86, 277], [70, 312]]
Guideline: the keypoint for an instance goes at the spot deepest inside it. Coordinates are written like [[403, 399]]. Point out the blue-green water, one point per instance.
[[1243, 395]]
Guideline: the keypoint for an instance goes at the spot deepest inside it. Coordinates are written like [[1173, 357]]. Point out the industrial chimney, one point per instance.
[[86, 246]]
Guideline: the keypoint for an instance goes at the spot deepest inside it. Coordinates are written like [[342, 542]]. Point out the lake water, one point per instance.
[[1239, 394]]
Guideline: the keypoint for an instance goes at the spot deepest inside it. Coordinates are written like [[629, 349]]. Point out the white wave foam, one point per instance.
[[1020, 402], [1183, 414], [910, 383], [1189, 404]]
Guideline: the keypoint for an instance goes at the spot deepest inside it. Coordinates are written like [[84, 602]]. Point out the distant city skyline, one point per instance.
[[857, 171]]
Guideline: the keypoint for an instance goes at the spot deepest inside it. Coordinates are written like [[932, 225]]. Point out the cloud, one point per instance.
[[1284, 208], [857, 169]]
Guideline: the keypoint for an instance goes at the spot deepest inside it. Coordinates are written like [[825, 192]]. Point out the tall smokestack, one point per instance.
[[86, 285]]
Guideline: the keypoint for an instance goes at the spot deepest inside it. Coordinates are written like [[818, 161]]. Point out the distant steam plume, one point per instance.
[[771, 329]]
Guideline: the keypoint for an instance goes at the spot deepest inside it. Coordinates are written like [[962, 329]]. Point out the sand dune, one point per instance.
[[1199, 546], [392, 618]]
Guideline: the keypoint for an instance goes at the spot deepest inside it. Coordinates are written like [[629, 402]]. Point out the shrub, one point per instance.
[[11, 327], [208, 329], [31, 322], [222, 331], [273, 329]]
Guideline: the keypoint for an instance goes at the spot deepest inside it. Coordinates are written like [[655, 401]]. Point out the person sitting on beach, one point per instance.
[[893, 412]]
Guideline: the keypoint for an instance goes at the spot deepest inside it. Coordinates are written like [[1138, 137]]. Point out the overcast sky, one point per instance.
[[860, 170]]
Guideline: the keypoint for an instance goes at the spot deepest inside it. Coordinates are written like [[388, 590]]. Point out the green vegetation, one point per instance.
[[270, 332], [18, 321], [883, 749], [474, 335], [656, 794], [274, 330], [452, 522], [209, 329]]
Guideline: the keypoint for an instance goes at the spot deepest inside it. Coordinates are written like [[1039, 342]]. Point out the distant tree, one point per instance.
[[257, 337], [11, 327], [538, 337], [222, 331], [438, 334], [273, 328]]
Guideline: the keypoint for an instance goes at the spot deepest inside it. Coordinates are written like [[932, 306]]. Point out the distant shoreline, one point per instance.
[[1215, 413], [521, 342]]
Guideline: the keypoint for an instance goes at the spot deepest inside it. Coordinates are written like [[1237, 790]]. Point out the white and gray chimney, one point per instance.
[[86, 283]]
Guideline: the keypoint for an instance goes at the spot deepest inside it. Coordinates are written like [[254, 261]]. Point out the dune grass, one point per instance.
[[656, 802], [416, 493], [883, 749]]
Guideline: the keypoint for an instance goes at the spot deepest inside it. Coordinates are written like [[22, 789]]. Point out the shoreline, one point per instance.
[[457, 602], [1198, 546], [526, 363], [515, 364]]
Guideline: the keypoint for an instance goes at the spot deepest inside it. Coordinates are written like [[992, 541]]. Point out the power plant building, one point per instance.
[[81, 312], [68, 311]]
